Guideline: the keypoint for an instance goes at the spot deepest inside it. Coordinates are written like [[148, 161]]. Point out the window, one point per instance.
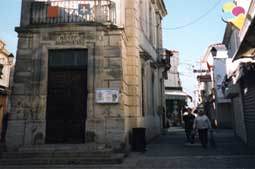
[[1, 70]]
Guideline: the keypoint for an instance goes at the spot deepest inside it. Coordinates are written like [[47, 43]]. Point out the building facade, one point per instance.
[[204, 85], [87, 72], [6, 70], [239, 84], [176, 99], [210, 81]]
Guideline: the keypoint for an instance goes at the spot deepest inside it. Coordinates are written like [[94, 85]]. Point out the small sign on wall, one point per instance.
[[107, 96]]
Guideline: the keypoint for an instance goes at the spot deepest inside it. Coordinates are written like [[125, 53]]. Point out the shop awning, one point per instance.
[[177, 95], [247, 46]]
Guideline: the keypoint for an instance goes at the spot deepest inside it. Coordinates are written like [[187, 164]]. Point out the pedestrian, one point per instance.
[[4, 127], [188, 119], [202, 124]]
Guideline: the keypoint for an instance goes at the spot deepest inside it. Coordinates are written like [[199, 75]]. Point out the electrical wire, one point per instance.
[[189, 23], [197, 19]]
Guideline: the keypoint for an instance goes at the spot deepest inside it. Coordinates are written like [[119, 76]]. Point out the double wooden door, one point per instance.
[[67, 97]]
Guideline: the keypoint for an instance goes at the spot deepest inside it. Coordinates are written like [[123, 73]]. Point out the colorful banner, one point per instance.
[[84, 9], [234, 14]]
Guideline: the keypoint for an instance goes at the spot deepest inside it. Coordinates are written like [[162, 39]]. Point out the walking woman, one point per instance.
[[202, 124]]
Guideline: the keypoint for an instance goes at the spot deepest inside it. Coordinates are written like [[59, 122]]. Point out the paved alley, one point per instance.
[[171, 151]]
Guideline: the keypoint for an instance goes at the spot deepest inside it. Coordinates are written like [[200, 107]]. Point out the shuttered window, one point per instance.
[[248, 92]]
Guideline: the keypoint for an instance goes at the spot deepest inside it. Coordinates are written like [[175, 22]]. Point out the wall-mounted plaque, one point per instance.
[[107, 95]]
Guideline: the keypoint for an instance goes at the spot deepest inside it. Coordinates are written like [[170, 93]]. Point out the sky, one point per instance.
[[10, 18], [202, 29]]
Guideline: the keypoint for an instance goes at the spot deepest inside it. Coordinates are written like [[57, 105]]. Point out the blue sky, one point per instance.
[[190, 41], [10, 17]]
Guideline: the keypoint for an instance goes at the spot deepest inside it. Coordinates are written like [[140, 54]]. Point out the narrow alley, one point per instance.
[[170, 151]]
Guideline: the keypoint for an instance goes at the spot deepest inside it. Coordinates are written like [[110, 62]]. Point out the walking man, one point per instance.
[[202, 124]]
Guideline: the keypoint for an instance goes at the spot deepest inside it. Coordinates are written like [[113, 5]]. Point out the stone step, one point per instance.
[[61, 155], [71, 166], [2, 147], [61, 160], [54, 154], [65, 148]]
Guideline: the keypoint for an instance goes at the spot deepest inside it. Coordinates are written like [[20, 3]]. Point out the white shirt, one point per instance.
[[202, 122]]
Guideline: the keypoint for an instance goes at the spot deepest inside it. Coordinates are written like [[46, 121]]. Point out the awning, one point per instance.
[[244, 65], [246, 49], [177, 95]]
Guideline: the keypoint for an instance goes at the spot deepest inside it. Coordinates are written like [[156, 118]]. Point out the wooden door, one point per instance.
[[66, 99]]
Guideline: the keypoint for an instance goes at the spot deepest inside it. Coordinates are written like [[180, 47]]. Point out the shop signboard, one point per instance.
[[204, 78], [200, 71]]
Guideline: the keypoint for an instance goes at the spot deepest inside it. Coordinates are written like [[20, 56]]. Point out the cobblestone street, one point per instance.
[[171, 151]]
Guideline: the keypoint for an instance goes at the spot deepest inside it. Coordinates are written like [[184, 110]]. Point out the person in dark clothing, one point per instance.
[[4, 127], [188, 119]]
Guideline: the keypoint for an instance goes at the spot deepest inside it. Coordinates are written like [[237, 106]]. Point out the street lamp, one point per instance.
[[213, 90], [214, 51]]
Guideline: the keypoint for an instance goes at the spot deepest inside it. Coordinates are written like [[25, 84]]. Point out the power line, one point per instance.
[[195, 20], [189, 23]]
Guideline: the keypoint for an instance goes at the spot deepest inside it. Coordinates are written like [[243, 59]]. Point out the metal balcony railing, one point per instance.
[[73, 11]]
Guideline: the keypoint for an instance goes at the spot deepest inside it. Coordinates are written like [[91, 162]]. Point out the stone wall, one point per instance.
[[131, 66], [132, 86], [113, 62], [105, 123]]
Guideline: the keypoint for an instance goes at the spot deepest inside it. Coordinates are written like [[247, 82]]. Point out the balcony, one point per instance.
[[164, 58], [73, 11]]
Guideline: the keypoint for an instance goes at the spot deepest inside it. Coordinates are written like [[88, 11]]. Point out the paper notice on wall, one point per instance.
[[107, 95]]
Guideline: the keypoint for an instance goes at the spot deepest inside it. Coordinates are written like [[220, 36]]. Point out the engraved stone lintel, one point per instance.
[[70, 38]]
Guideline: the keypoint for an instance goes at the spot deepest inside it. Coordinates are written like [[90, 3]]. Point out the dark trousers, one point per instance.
[[189, 136], [203, 137], [4, 128]]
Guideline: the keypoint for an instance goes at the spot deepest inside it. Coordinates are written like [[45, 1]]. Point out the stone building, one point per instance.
[[215, 104], [6, 67], [176, 98], [87, 71]]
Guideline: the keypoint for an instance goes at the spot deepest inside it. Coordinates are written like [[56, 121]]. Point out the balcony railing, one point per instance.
[[73, 11]]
